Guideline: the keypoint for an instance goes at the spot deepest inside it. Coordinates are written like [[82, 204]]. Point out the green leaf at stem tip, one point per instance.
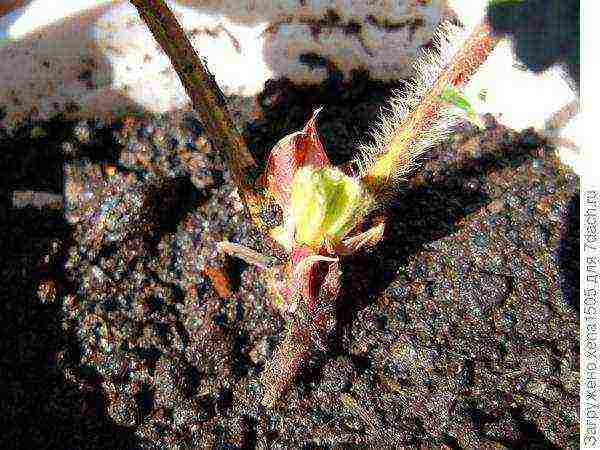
[[455, 98], [504, 2]]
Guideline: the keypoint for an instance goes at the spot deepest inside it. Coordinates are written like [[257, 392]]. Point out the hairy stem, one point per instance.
[[207, 98], [400, 153]]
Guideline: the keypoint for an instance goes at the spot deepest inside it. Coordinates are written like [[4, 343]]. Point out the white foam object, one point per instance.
[[97, 55], [100, 56]]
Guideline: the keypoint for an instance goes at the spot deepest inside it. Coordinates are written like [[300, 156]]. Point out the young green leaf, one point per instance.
[[504, 2], [455, 98]]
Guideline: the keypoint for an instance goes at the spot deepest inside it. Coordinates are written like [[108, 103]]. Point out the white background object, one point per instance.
[[100, 57], [519, 98], [97, 57]]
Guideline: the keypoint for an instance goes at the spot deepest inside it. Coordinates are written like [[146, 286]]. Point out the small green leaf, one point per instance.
[[483, 95], [455, 98], [504, 2]]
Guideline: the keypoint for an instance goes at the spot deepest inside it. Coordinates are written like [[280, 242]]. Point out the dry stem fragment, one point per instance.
[[220, 281], [246, 254]]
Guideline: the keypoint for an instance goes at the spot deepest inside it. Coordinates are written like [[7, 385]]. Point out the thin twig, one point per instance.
[[246, 254], [207, 98]]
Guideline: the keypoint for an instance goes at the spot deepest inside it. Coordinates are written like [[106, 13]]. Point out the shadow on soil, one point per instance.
[[544, 32], [42, 409]]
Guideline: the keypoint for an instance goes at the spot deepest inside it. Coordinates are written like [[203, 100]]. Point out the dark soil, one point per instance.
[[460, 330]]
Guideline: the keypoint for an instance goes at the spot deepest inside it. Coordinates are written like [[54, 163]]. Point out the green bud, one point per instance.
[[326, 203]]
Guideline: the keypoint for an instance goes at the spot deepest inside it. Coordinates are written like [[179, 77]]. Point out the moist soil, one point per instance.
[[458, 331]]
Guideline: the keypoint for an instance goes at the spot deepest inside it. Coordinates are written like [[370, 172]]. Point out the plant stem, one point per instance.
[[207, 99], [400, 152], [293, 352], [288, 358]]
